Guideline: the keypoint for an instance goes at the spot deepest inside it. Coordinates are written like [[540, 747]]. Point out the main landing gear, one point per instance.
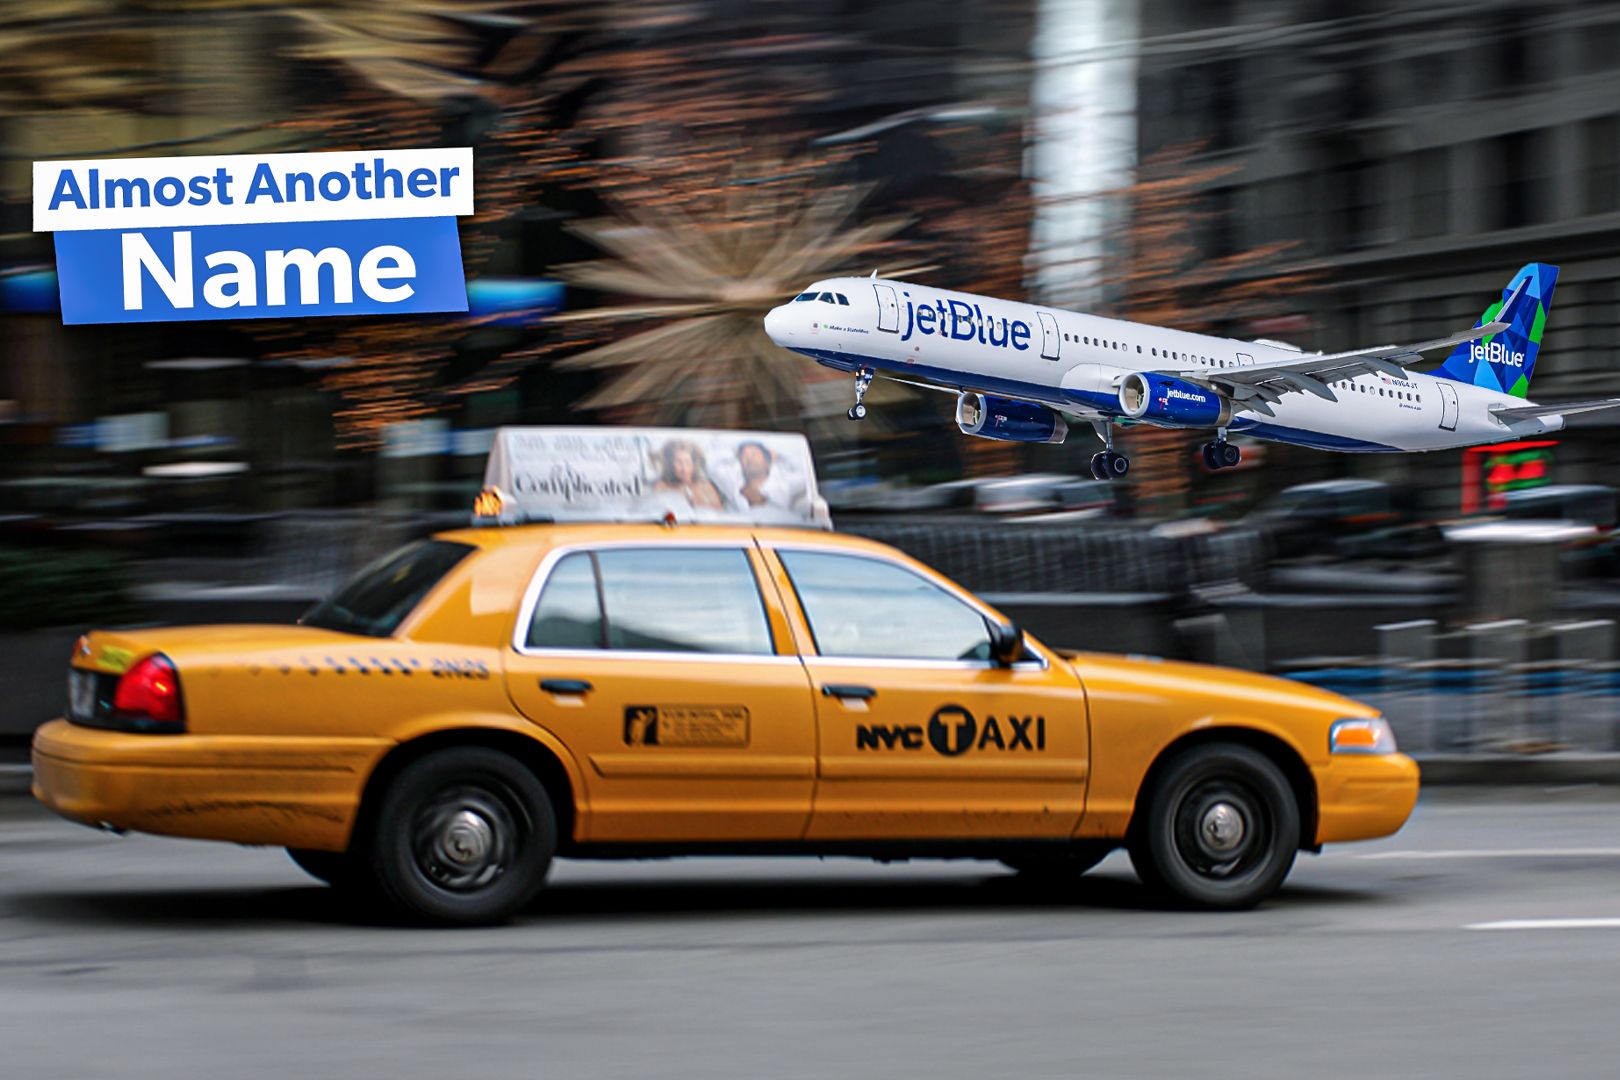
[[1221, 454], [863, 380], [1108, 464]]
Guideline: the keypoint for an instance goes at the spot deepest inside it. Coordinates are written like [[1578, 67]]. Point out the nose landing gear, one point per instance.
[[863, 380], [1108, 464]]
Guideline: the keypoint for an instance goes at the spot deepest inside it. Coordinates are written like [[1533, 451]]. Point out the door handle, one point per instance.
[[565, 686], [845, 690]]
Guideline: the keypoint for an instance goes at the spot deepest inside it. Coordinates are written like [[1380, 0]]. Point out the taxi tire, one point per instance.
[[502, 779], [1194, 779]]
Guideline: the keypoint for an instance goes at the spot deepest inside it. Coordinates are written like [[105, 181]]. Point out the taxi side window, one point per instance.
[[871, 609], [703, 600], [569, 615]]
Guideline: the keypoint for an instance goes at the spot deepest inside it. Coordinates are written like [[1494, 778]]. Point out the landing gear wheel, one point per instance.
[[1221, 828], [863, 381], [1116, 465], [463, 837], [1209, 457], [1069, 862], [1098, 472], [335, 868], [1227, 454]]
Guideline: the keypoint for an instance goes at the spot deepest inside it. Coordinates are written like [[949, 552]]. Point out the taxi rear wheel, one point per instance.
[[1221, 829], [463, 836]]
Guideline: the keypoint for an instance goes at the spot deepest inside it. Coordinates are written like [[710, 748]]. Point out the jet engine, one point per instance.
[[991, 417], [1172, 402]]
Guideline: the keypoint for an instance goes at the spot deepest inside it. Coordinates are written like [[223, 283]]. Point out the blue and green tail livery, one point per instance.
[[1505, 361]]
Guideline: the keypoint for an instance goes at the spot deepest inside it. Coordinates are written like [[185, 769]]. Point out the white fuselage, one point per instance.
[[1074, 363]]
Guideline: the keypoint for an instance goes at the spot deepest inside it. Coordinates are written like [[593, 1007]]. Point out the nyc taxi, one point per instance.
[[480, 702]]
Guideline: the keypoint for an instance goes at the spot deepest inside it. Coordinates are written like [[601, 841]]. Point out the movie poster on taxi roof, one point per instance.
[[614, 474]]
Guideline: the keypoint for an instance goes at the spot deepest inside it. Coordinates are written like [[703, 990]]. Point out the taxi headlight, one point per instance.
[[1361, 735]]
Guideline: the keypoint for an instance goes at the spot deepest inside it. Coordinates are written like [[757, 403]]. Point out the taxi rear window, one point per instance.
[[377, 599]]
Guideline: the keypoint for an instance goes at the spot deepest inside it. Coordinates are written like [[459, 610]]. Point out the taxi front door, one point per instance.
[[921, 736], [673, 682]]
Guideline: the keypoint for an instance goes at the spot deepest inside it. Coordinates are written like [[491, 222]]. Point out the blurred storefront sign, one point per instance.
[[513, 301], [1490, 472], [416, 438], [29, 291], [132, 432]]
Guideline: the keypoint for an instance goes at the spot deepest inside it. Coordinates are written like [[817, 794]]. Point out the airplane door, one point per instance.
[[888, 309], [1448, 406], [1244, 359], [1050, 338]]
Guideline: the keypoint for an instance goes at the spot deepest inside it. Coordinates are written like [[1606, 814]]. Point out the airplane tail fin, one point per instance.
[[1506, 360]]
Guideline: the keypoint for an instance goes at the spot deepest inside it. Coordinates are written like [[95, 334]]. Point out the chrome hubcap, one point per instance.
[[1222, 827], [465, 838]]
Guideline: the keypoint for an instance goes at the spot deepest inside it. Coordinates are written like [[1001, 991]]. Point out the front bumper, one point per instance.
[[281, 791], [1364, 796]]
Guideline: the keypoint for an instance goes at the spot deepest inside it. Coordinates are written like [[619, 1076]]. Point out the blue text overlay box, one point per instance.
[[266, 271]]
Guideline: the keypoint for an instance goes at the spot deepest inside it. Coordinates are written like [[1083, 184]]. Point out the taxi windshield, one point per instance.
[[376, 600]]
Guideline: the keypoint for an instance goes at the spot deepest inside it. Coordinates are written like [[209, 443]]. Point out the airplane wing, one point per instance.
[[1508, 414], [1259, 386]]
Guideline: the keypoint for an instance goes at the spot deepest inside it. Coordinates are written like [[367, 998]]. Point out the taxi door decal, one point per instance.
[[686, 725]]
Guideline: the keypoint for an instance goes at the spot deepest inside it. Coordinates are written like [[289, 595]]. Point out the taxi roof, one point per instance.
[[542, 535]]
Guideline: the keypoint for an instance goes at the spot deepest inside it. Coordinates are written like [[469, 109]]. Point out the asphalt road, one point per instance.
[[142, 957]]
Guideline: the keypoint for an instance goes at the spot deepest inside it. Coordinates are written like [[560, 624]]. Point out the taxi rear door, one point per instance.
[[921, 736], [672, 679]]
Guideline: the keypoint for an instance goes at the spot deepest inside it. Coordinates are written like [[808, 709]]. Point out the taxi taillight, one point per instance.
[[148, 695]]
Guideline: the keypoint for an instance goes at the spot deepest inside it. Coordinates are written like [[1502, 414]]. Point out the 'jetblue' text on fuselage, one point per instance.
[[964, 322]]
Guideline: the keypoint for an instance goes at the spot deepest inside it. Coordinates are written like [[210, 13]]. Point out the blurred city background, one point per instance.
[[653, 175]]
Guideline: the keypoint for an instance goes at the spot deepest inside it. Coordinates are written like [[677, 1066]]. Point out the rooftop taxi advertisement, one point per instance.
[[253, 236]]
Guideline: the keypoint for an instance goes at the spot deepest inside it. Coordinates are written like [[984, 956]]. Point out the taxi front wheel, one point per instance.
[[464, 837], [1221, 828]]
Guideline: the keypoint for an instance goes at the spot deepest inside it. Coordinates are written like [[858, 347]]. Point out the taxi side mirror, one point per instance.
[[1006, 642]]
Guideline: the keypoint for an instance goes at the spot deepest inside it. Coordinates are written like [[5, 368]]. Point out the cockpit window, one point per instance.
[[803, 297], [842, 299], [827, 298]]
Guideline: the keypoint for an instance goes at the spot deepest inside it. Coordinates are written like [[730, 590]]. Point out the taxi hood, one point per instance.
[[1253, 690]]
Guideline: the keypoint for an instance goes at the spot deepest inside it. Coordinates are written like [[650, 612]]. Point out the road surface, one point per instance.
[[1483, 941]]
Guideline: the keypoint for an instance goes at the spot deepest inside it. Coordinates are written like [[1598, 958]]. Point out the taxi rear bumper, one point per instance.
[[273, 790], [1364, 796]]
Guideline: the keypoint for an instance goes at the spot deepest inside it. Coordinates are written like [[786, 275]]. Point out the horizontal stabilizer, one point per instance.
[[1531, 412]]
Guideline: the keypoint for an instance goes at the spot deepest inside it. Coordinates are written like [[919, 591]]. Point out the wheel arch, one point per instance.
[[1280, 752], [544, 761]]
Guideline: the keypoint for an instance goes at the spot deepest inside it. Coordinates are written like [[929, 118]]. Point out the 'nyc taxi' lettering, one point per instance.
[[953, 731]]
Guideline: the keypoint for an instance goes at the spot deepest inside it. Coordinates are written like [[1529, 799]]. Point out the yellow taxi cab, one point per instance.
[[477, 703]]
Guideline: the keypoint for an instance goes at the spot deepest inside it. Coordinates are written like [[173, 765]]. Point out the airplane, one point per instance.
[[1020, 372]]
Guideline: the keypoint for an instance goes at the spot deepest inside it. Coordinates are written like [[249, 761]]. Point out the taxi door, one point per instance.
[[674, 683], [921, 735]]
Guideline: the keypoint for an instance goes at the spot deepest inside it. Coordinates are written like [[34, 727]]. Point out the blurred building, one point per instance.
[[1416, 155], [125, 419]]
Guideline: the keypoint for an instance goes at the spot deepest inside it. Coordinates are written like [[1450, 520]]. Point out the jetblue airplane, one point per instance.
[[1020, 372]]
